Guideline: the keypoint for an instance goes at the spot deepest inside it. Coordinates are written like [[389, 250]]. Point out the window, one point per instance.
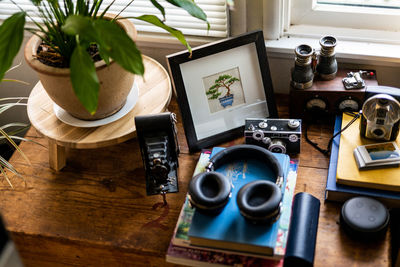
[[216, 11], [356, 14]]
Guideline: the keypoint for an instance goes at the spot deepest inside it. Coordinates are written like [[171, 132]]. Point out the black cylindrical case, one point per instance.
[[302, 237]]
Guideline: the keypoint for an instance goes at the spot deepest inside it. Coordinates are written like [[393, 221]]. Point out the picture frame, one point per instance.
[[235, 70]]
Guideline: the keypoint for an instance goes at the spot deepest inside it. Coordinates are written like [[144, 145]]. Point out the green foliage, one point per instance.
[[69, 29], [87, 88], [8, 134], [11, 36], [223, 81], [174, 32]]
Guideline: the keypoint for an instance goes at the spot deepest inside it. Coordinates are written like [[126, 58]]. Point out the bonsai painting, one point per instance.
[[224, 90]]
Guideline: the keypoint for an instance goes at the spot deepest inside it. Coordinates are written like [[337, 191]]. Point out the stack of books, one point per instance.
[[232, 248], [345, 181]]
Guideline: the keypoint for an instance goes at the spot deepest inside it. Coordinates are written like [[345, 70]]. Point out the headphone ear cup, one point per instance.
[[260, 201], [209, 192]]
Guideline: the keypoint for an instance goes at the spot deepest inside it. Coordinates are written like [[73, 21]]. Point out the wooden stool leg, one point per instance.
[[57, 158]]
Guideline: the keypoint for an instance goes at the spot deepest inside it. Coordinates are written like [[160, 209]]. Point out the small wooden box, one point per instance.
[[328, 97]]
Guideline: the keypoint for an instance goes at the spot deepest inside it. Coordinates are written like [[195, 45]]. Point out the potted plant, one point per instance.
[[85, 58], [224, 81]]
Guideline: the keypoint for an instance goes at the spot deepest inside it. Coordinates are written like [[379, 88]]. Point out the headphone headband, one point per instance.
[[240, 152]]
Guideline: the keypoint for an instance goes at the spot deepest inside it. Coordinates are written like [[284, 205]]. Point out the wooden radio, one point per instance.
[[331, 97]]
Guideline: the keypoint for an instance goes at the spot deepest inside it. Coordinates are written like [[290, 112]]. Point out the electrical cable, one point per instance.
[[327, 151]]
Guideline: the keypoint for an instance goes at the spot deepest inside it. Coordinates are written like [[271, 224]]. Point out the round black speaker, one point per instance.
[[364, 218]]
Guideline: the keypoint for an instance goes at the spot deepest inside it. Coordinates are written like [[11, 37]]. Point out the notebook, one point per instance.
[[347, 170]]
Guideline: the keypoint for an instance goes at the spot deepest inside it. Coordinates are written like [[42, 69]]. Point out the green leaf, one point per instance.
[[11, 36], [116, 43], [174, 32], [84, 78], [159, 7], [191, 8], [36, 2], [80, 25]]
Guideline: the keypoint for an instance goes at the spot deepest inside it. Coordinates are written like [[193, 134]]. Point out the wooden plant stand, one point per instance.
[[154, 96]]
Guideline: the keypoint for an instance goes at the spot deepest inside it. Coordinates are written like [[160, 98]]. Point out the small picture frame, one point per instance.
[[220, 85]]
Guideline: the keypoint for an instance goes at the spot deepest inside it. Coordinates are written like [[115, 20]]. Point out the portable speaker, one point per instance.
[[258, 201]]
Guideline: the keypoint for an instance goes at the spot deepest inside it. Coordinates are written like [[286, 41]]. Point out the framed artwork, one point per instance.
[[219, 86]]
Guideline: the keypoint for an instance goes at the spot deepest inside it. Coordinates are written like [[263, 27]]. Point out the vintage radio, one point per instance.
[[331, 97]]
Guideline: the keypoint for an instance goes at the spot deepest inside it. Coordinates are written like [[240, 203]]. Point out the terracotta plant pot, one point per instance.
[[115, 82]]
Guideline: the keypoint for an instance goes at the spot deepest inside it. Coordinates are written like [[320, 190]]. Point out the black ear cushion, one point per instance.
[[209, 191], [259, 199]]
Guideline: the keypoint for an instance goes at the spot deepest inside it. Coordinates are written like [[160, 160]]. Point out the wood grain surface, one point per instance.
[[154, 95], [95, 212]]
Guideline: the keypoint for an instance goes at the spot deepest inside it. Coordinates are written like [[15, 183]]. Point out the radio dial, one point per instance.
[[349, 105], [316, 103]]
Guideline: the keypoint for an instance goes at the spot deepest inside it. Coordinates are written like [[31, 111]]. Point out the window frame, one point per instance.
[[309, 12]]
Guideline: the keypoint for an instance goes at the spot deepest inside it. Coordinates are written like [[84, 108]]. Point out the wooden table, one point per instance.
[[95, 211]]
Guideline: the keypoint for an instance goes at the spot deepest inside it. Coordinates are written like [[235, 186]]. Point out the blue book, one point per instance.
[[229, 230], [341, 193]]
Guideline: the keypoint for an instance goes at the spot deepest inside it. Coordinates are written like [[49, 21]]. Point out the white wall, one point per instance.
[[280, 65]]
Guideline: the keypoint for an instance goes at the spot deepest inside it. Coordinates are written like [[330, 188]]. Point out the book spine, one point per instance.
[[284, 221], [180, 237], [203, 257]]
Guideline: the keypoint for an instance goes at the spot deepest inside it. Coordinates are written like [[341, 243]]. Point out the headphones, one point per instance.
[[258, 201]]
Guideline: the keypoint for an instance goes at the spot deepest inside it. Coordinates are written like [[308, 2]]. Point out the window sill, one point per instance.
[[372, 47], [371, 51]]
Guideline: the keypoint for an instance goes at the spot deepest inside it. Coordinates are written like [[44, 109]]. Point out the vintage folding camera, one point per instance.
[[381, 114], [159, 147], [277, 135]]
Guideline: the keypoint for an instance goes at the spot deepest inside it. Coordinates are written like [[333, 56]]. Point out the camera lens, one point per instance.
[[277, 146], [378, 132]]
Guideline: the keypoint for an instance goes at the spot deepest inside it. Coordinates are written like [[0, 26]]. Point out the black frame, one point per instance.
[[176, 59]]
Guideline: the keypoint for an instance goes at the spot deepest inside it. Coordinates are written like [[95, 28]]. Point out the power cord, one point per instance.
[[327, 151]]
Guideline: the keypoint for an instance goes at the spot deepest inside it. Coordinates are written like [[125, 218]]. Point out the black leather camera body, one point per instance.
[[159, 148], [380, 118], [276, 135]]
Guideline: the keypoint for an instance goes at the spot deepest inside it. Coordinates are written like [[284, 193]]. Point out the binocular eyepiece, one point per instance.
[[302, 75]]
